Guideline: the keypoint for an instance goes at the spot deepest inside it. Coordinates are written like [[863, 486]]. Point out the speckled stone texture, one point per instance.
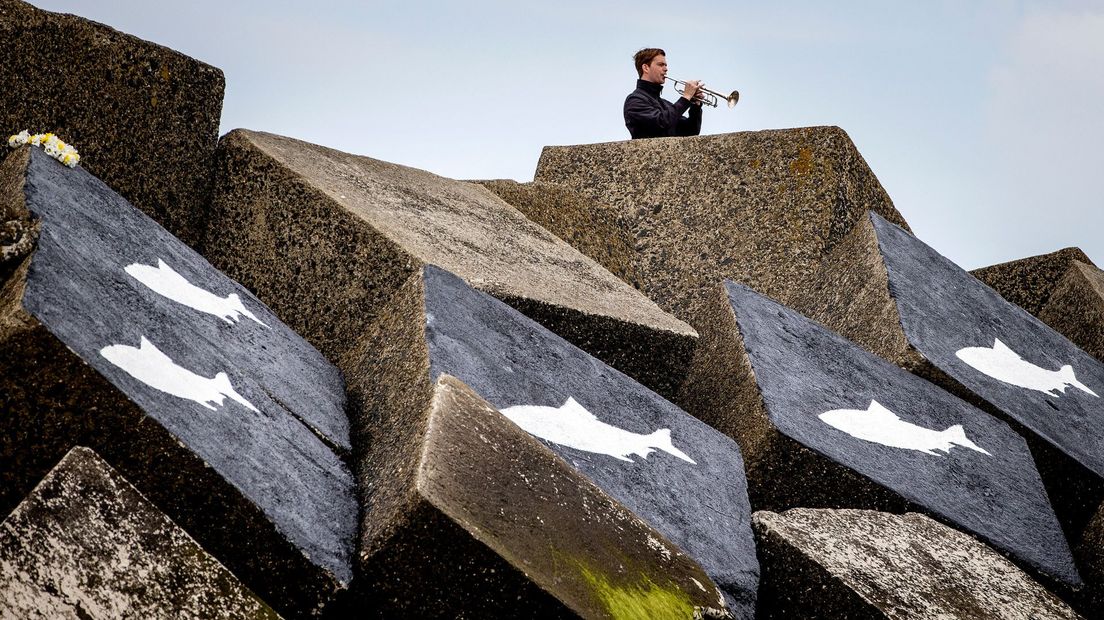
[[1029, 282], [865, 564], [893, 295], [593, 228], [232, 425], [325, 238], [144, 118], [760, 208], [792, 371], [86, 544], [489, 523], [1075, 308]]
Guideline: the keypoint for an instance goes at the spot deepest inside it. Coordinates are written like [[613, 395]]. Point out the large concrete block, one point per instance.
[[325, 238], [823, 423], [895, 296], [86, 544], [119, 337], [760, 207], [865, 564], [492, 524], [1029, 282], [593, 228], [680, 476], [144, 118]]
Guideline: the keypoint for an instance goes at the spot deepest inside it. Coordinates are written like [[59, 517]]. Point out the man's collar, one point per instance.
[[650, 87]]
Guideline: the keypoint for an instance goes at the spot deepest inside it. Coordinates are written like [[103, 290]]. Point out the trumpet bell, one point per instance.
[[733, 98]]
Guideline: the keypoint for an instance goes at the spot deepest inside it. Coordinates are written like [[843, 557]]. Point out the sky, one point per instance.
[[983, 119]]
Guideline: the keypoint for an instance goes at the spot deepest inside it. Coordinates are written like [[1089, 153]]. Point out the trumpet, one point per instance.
[[711, 97]]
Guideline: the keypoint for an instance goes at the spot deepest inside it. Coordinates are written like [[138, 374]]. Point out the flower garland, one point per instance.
[[54, 147]]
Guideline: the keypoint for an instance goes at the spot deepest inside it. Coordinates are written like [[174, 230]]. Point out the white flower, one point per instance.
[[36, 139], [19, 139]]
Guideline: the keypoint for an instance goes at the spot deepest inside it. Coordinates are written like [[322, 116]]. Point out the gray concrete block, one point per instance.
[[866, 564], [119, 337], [86, 544]]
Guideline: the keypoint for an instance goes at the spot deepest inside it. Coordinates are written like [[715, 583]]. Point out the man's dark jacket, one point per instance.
[[648, 116]]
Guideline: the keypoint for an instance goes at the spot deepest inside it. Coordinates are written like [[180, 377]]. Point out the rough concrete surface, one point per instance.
[[1029, 282], [439, 325], [144, 118], [754, 207], [593, 228], [499, 526], [325, 237], [800, 455], [1075, 308], [866, 564], [86, 544], [895, 296], [119, 337]]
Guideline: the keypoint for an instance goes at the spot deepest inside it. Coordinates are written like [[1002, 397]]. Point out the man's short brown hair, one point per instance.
[[645, 57]]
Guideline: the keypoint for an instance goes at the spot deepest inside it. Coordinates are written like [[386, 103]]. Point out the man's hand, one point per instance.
[[692, 90]]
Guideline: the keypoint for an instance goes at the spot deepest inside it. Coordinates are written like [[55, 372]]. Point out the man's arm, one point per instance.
[[691, 126], [650, 117]]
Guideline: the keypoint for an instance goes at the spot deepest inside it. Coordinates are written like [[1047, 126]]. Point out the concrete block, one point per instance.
[[825, 424], [760, 207], [144, 118], [866, 564], [1075, 308], [119, 337], [678, 475], [1029, 282], [86, 544], [893, 295], [492, 524]]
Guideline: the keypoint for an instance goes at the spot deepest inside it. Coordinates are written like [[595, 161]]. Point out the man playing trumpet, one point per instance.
[[648, 116]]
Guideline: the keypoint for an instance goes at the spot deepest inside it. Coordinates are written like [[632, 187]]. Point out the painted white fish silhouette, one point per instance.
[[149, 365], [573, 426], [1004, 364], [165, 281], [880, 425]]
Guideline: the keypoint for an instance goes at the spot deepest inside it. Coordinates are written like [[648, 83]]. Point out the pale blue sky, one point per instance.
[[982, 119]]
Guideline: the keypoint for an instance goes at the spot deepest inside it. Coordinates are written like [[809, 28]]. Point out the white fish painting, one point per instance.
[[165, 281], [149, 365], [880, 425], [573, 426], [1004, 364]]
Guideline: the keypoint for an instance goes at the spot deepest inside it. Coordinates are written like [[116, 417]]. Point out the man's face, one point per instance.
[[656, 71]]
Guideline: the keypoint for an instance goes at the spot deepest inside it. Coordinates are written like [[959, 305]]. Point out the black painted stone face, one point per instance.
[[900, 431], [955, 321], [690, 485], [155, 318]]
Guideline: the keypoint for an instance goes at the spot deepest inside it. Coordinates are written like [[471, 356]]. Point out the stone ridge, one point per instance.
[[458, 226], [760, 208], [87, 544], [145, 118], [1029, 282]]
